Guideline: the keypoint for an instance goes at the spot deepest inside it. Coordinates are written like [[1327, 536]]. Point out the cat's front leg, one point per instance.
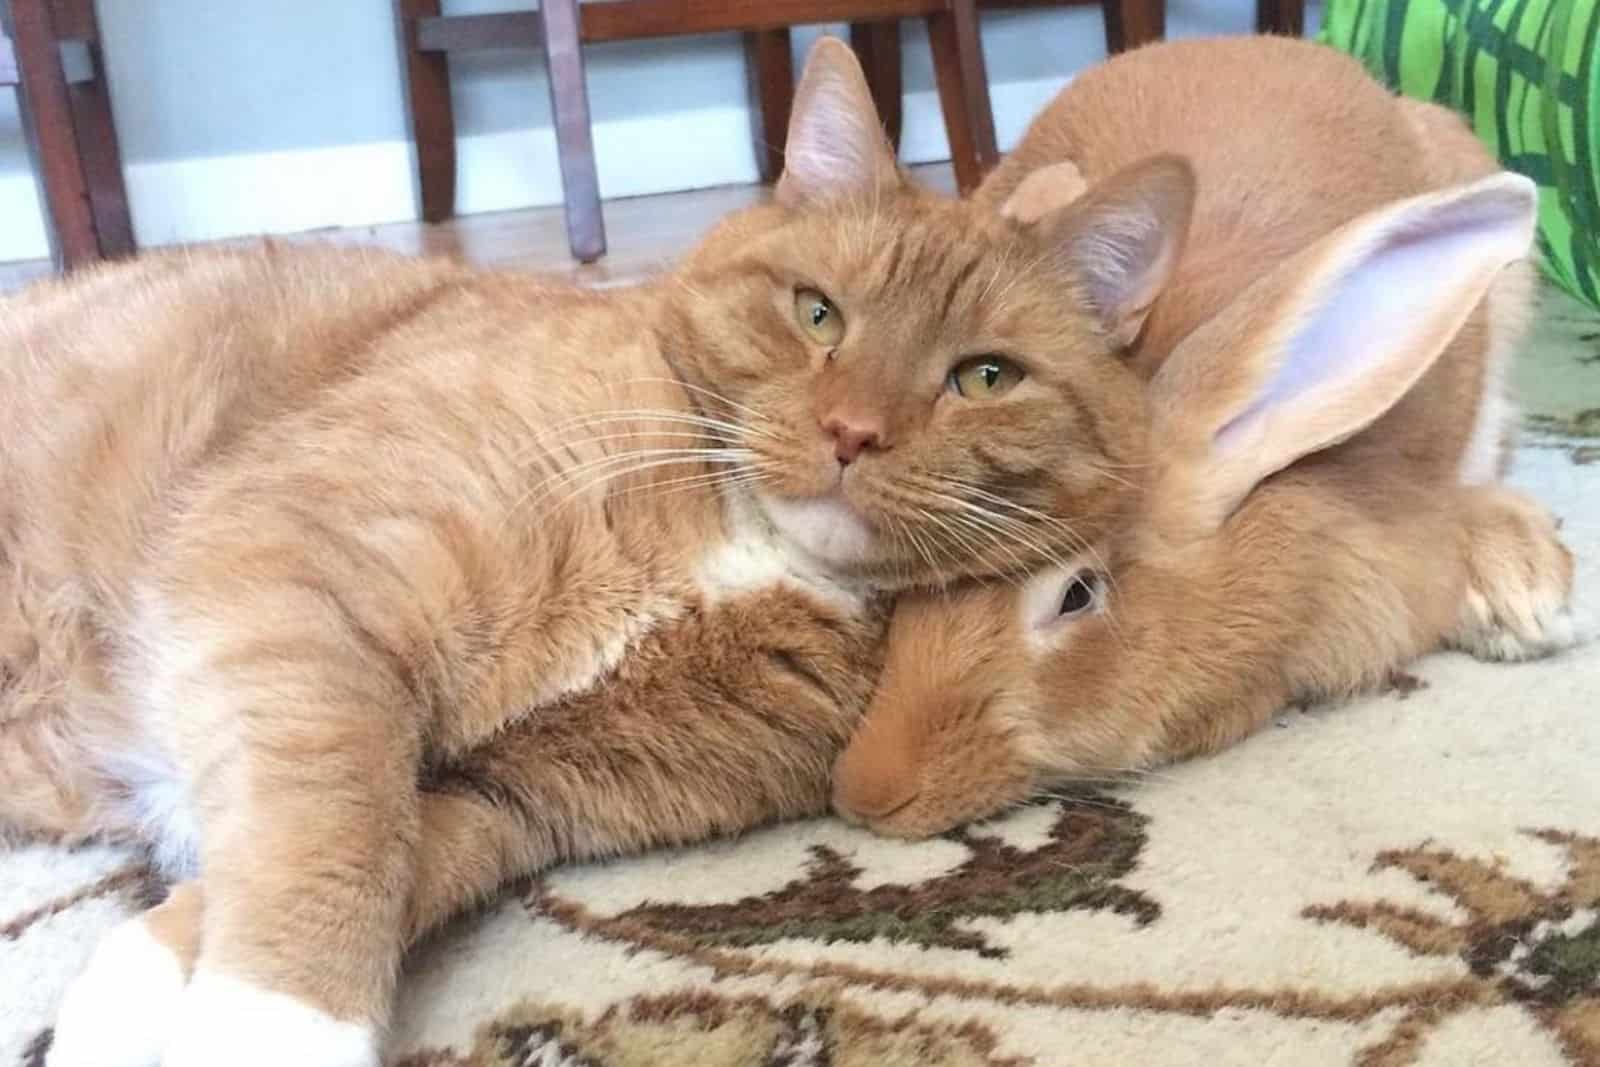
[[300, 744], [121, 1010]]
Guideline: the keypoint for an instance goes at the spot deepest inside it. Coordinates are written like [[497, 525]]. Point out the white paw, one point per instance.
[[226, 1021], [1530, 627], [118, 1012]]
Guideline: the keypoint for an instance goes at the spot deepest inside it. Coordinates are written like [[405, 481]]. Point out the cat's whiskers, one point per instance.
[[956, 528], [634, 435], [744, 409], [630, 428], [1108, 608], [724, 478], [1076, 541], [900, 536], [993, 537], [593, 478], [954, 531], [1077, 800], [961, 528], [976, 514], [921, 548], [645, 416], [588, 475], [1106, 473], [930, 551], [954, 523]]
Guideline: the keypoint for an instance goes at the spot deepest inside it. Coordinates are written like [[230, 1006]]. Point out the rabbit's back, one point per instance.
[[1289, 140]]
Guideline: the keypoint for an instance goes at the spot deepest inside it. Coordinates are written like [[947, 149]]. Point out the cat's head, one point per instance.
[[923, 382]]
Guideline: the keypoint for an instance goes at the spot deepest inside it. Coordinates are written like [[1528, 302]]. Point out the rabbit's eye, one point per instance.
[[1080, 595]]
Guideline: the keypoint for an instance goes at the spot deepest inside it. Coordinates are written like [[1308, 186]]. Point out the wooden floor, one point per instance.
[[645, 234]]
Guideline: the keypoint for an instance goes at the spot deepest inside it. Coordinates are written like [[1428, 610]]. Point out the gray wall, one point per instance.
[[205, 78]]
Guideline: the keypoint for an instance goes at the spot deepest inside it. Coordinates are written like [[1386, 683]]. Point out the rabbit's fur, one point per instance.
[[1327, 421]]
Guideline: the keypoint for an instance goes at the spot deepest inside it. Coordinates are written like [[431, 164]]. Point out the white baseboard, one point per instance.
[[21, 225], [370, 184]]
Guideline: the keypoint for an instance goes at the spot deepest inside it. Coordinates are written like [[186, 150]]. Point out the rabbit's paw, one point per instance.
[[1518, 604], [118, 1012], [227, 1021]]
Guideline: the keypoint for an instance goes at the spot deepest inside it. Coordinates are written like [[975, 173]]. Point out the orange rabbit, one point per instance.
[[1326, 419]]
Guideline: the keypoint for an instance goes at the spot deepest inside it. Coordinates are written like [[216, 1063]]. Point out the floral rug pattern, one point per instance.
[[1408, 880]]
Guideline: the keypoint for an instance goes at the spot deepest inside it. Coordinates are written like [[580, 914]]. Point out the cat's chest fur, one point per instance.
[[741, 558], [751, 557]]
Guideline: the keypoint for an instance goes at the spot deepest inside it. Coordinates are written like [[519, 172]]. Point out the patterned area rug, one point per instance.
[[1411, 879]]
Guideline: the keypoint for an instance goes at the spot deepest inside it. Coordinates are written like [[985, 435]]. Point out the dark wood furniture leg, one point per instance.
[[769, 64], [66, 121], [963, 91], [428, 111], [569, 102], [89, 97], [1131, 23], [1286, 17], [877, 45]]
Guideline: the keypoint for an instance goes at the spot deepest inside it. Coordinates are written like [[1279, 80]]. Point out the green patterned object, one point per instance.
[[1523, 72]]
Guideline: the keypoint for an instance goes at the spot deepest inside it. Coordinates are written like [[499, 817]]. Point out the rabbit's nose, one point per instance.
[[872, 782]]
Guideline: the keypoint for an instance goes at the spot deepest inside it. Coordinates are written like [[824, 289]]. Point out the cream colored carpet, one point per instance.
[[1411, 879]]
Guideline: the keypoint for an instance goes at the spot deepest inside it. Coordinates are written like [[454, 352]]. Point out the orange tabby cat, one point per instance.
[[315, 564]]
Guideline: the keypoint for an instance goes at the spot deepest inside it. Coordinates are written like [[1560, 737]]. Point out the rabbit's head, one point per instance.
[[992, 693]]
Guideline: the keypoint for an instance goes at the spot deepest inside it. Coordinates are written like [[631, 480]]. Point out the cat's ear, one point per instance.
[[1119, 241], [1043, 191], [836, 147], [1326, 342]]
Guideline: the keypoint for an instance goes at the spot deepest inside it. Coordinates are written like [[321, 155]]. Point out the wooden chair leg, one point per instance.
[[428, 111], [96, 133], [569, 101], [1131, 23], [47, 129], [769, 64], [963, 91], [877, 45], [1286, 17]]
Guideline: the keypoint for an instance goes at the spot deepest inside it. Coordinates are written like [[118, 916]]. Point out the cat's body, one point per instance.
[[337, 554], [165, 474]]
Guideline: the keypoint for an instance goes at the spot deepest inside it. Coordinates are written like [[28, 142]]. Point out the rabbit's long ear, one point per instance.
[[1327, 342], [836, 147]]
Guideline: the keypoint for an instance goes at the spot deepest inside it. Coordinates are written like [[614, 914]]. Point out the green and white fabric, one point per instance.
[[1523, 72]]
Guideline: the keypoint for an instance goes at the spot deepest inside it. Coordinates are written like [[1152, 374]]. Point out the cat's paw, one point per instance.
[[1518, 602], [223, 1020], [118, 1012]]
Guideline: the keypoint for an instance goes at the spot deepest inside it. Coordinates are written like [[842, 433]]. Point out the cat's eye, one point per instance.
[[1081, 594], [985, 377], [821, 321]]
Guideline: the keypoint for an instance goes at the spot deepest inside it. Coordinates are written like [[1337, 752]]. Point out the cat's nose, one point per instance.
[[851, 437]]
